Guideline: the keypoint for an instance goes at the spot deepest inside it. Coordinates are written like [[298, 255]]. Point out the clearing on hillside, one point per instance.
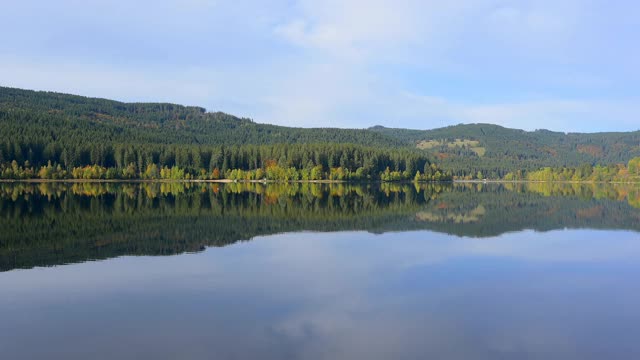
[[473, 145]]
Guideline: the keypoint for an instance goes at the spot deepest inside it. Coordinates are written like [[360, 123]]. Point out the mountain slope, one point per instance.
[[495, 149], [40, 125], [56, 136], [28, 113]]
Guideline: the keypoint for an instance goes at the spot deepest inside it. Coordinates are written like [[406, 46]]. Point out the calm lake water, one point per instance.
[[247, 271]]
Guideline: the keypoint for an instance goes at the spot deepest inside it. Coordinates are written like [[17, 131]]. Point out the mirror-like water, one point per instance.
[[483, 271]]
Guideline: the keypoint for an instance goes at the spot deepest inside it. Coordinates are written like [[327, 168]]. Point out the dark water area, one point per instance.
[[310, 271]]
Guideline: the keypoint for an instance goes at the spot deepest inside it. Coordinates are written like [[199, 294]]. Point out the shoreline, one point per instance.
[[541, 182], [219, 181], [227, 181]]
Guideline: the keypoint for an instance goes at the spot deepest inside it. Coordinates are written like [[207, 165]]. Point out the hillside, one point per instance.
[[31, 114], [57, 136], [494, 150], [40, 127]]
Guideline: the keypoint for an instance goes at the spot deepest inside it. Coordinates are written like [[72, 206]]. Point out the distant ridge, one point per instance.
[[493, 148]]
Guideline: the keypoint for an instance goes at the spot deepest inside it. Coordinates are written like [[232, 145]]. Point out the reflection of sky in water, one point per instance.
[[560, 294]]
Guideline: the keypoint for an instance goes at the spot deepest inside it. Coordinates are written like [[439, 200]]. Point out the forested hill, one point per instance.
[[29, 113], [57, 136], [494, 150], [74, 131]]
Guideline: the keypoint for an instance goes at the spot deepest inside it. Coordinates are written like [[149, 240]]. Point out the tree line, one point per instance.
[[586, 173], [52, 135], [279, 162], [58, 136]]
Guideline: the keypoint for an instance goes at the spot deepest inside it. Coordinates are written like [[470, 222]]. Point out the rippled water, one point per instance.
[[246, 271]]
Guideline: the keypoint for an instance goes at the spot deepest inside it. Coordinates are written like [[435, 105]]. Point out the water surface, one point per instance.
[[246, 271]]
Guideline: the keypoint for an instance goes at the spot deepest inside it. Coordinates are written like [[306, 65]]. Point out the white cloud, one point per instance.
[[357, 39], [351, 63], [371, 31]]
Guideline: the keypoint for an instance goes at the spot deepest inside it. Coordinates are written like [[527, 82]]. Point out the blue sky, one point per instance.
[[563, 65]]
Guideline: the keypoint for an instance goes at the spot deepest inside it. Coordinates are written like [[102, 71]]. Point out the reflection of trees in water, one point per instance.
[[55, 223]]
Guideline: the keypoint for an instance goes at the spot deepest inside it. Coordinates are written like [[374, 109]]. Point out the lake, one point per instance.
[[311, 271]]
